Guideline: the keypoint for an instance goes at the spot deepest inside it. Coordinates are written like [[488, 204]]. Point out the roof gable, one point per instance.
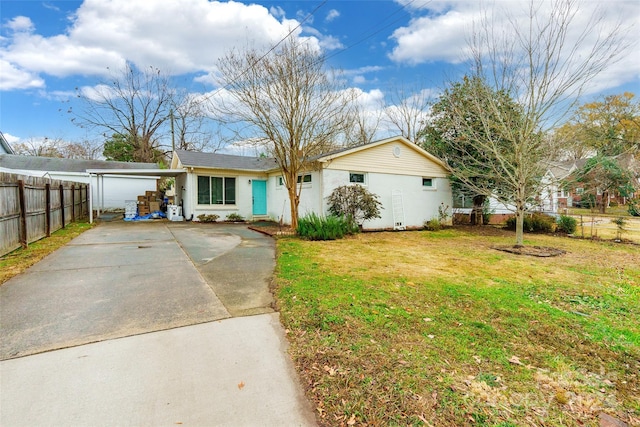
[[396, 139], [397, 156], [4, 145]]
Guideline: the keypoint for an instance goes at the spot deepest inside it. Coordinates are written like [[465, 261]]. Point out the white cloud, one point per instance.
[[441, 32], [359, 80], [177, 37], [12, 78], [20, 24], [10, 138], [332, 15]]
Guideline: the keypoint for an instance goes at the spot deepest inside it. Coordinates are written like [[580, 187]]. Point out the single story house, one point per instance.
[[410, 182], [107, 191]]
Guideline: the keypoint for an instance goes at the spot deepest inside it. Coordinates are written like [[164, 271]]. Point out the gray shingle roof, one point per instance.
[[226, 161], [14, 161]]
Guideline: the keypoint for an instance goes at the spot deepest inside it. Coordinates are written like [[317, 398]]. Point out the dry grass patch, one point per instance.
[[420, 328]]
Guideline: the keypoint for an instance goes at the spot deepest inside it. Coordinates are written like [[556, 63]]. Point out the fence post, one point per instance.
[[62, 205], [23, 214], [81, 205], [73, 202], [47, 189]]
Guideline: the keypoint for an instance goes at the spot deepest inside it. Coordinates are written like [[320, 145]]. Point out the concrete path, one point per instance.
[[123, 327]]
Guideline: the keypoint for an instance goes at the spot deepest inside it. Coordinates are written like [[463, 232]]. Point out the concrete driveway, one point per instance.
[[142, 324]]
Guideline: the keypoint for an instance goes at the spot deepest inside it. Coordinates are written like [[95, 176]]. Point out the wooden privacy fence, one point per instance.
[[32, 208]]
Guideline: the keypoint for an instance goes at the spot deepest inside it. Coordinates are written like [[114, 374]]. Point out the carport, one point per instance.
[[100, 173]]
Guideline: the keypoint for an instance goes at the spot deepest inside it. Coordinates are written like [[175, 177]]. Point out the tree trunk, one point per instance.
[[293, 203], [476, 210], [519, 226], [604, 201]]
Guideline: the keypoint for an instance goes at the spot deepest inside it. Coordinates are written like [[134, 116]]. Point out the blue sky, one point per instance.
[[49, 48]]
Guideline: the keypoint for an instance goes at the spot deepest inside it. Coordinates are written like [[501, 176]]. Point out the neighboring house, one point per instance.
[[5, 148], [410, 182], [556, 194], [108, 192], [561, 189]]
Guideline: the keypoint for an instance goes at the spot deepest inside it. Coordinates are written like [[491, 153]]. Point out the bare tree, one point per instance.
[[189, 126], [408, 110], [541, 65], [40, 147], [286, 98], [86, 149], [364, 125], [135, 104]]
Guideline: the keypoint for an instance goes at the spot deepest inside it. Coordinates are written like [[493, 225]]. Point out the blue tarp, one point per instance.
[[152, 215]]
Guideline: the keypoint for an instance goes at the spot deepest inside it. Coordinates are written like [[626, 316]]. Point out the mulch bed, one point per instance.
[[539, 251]]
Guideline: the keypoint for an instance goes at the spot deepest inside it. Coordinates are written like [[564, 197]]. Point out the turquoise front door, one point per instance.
[[259, 192]]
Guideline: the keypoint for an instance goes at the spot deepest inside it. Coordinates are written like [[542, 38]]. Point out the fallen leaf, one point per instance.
[[352, 420], [516, 360], [431, 336], [427, 319], [477, 359], [240, 385]]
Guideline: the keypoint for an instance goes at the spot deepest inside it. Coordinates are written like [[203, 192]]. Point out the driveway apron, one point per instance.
[[145, 322]]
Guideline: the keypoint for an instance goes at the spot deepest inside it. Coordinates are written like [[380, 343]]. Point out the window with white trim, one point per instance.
[[215, 190], [428, 183], [305, 179], [357, 178]]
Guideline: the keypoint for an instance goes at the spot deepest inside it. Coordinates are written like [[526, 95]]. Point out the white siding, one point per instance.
[[244, 197], [278, 206], [420, 204]]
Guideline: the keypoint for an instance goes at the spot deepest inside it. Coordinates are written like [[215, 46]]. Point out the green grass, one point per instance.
[[438, 328], [19, 260]]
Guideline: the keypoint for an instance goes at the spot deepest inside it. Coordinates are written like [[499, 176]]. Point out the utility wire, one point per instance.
[[245, 71], [378, 31]]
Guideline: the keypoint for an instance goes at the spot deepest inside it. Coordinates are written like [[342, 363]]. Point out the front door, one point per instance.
[[259, 193]]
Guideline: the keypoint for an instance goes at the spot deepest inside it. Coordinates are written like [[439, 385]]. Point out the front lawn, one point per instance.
[[438, 328]]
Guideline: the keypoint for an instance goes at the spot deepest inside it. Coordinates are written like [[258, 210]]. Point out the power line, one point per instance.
[[309, 15]]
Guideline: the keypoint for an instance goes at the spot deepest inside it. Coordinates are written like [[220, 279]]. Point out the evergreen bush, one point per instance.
[[567, 224], [208, 218], [537, 222], [314, 227]]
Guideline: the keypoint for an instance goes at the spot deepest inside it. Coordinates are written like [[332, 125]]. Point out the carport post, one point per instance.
[[90, 197], [102, 192]]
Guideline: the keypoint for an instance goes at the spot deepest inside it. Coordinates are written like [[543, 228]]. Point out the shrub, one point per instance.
[[234, 217], [355, 203], [536, 222], [567, 224], [634, 207], [433, 224], [208, 218], [621, 223], [314, 227]]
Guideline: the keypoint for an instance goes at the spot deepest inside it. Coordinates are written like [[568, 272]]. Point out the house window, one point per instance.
[[428, 183], [213, 190], [280, 181], [305, 179], [357, 178], [579, 191]]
